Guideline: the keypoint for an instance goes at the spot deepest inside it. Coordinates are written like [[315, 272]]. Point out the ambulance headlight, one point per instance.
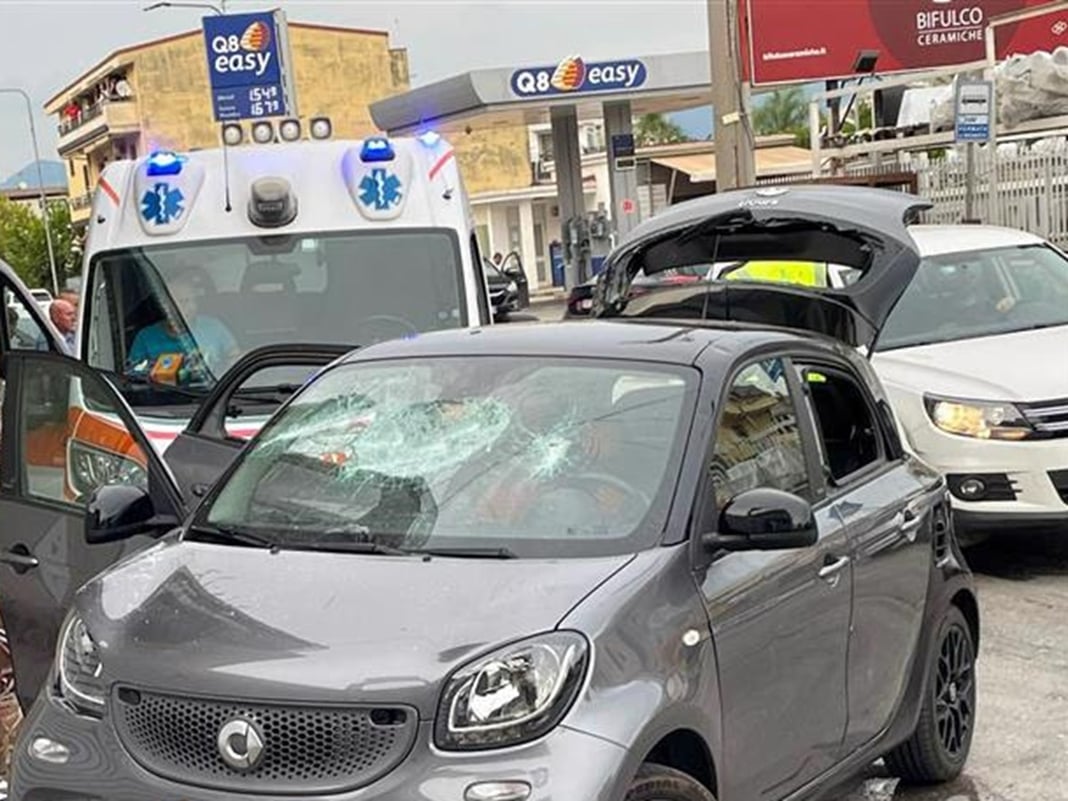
[[271, 203], [321, 128], [262, 132], [232, 134], [289, 130]]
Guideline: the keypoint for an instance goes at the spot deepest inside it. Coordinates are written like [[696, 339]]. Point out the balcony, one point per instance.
[[81, 207], [100, 120]]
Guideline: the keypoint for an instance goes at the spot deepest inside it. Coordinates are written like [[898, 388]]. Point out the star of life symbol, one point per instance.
[[380, 190], [162, 205]]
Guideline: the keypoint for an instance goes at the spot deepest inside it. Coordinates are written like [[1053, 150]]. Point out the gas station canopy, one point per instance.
[[518, 96]]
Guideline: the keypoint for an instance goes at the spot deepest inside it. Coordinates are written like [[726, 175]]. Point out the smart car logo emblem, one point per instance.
[[772, 191], [240, 744]]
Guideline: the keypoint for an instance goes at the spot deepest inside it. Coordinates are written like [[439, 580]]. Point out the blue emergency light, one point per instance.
[[164, 162], [429, 139], [376, 148]]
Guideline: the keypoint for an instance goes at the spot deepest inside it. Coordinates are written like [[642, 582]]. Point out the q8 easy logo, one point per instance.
[[575, 75], [249, 52]]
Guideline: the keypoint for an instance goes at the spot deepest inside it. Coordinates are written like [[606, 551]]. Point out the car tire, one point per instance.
[[659, 783], [938, 748]]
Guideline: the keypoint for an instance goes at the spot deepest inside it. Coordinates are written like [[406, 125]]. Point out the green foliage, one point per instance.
[[656, 129], [24, 247], [783, 111]]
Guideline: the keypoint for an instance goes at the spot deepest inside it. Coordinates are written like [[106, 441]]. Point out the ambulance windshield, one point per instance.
[[170, 320]]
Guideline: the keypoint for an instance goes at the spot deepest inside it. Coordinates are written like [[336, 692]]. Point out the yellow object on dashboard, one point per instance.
[[802, 273]]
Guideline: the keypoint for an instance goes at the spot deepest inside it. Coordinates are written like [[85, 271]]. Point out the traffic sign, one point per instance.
[[249, 66], [974, 111]]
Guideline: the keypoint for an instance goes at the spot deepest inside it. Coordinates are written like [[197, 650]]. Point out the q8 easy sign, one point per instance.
[[247, 65]]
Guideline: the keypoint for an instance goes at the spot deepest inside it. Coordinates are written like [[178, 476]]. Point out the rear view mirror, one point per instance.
[[764, 520], [120, 511]]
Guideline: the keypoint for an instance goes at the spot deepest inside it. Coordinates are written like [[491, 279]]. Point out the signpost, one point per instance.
[[249, 66], [973, 121]]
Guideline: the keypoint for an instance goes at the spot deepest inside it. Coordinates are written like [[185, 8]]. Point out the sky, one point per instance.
[[44, 44]]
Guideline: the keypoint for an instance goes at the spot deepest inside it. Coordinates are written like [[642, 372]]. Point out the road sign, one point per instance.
[[249, 66], [628, 205], [974, 111]]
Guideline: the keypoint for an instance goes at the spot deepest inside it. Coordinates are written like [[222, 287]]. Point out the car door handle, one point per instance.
[[19, 558], [832, 569], [908, 522]]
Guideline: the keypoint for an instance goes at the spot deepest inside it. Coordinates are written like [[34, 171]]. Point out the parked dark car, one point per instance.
[[580, 298], [508, 287], [652, 560]]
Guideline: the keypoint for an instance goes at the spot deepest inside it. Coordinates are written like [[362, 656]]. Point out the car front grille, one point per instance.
[[1048, 417], [307, 749]]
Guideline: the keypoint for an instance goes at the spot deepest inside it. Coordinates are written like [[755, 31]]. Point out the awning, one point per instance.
[[770, 161]]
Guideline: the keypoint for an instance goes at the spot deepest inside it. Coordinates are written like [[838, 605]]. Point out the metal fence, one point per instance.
[[1030, 191]]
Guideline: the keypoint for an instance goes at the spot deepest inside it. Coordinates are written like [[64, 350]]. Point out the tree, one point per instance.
[[783, 111], [656, 129], [24, 247]]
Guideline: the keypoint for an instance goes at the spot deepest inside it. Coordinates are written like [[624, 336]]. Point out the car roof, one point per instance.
[[665, 342], [936, 240]]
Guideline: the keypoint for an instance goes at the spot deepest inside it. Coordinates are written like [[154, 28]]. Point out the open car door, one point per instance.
[[512, 267], [67, 432], [253, 389], [855, 240]]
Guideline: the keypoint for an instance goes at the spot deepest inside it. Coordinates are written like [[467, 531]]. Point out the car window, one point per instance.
[[980, 293], [22, 331], [73, 438], [848, 436], [758, 441], [544, 457]]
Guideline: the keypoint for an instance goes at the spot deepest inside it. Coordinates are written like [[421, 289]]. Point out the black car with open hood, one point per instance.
[[857, 236]]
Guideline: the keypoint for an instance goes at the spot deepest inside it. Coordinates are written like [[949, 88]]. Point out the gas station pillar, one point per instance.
[[622, 172], [570, 197]]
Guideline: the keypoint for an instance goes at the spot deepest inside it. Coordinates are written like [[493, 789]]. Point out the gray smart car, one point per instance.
[[596, 560]]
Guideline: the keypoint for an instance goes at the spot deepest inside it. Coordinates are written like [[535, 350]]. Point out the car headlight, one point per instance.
[[80, 667], [90, 468], [512, 287], [513, 695], [980, 420]]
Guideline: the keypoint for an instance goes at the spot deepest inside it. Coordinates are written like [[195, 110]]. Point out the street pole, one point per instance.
[[40, 186], [969, 182], [730, 99]]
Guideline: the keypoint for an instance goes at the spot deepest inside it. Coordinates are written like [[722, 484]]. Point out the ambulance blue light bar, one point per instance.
[[376, 148], [164, 162]]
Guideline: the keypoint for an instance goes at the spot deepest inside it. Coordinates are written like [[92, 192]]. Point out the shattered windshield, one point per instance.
[[170, 320], [542, 457]]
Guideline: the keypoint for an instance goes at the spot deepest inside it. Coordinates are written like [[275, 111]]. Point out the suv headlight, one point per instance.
[[90, 468], [80, 667], [981, 420], [512, 288], [513, 695]]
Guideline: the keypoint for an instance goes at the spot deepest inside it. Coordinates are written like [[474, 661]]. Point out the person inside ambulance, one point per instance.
[[185, 347]]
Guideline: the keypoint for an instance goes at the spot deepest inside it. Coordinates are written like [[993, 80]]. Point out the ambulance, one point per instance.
[[194, 260]]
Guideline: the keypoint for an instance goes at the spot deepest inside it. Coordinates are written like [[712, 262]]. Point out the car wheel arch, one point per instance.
[[966, 601], [686, 751]]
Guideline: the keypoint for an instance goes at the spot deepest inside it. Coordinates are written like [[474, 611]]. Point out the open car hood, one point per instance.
[[855, 229]]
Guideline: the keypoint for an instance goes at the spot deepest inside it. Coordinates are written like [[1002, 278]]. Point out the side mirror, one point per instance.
[[120, 511], [764, 520]]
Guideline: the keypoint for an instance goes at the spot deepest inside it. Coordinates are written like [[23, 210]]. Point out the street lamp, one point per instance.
[[40, 184], [218, 9]]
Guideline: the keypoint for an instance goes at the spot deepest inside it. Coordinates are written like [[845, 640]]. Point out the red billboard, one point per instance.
[[806, 40]]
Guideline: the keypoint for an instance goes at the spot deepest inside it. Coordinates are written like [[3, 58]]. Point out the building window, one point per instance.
[[85, 177], [70, 164]]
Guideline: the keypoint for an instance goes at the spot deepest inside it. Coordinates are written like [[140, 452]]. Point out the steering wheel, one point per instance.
[[387, 320], [588, 483]]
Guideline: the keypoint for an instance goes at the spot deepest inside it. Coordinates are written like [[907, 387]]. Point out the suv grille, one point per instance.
[[306, 749], [1048, 417]]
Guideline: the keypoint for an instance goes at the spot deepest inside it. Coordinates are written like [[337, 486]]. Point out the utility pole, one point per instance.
[[730, 99]]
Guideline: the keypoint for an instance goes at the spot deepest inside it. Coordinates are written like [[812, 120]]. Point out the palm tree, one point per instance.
[[784, 111], [656, 129]]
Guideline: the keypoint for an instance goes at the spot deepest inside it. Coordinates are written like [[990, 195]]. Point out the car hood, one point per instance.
[[1006, 367], [866, 229], [204, 619]]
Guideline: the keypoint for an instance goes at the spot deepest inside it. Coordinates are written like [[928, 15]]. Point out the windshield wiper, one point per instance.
[[241, 534], [146, 381], [348, 546], [269, 390], [470, 553]]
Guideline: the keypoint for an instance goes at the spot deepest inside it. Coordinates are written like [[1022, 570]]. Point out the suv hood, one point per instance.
[[859, 228], [1003, 368], [238, 622]]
